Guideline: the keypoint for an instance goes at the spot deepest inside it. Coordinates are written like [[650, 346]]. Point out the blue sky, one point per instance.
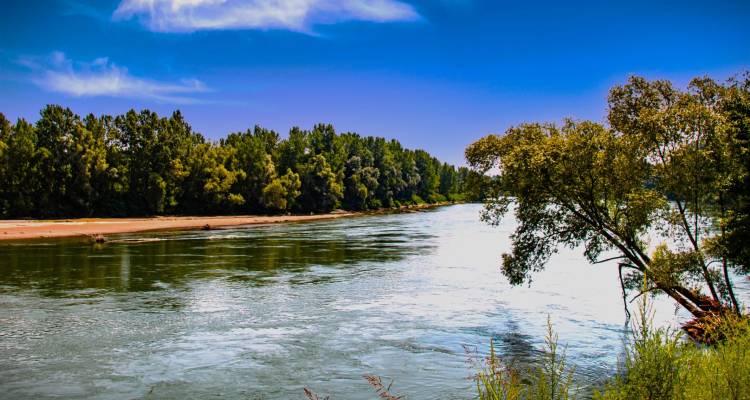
[[433, 74]]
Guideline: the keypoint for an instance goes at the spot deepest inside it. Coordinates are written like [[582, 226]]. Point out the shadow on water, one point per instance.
[[511, 340], [153, 261]]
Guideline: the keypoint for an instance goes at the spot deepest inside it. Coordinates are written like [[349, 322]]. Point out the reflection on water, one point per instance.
[[153, 261], [263, 311]]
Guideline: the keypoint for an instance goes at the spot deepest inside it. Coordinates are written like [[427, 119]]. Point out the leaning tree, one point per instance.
[[660, 189]]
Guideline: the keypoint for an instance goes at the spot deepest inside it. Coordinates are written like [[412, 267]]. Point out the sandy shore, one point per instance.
[[20, 229], [36, 229]]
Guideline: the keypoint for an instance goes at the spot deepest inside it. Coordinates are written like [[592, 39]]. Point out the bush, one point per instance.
[[436, 198], [660, 364], [375, 204], [456, 197], [415, 199], [722, 372]]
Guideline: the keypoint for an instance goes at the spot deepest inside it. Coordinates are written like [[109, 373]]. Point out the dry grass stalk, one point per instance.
[[384, 392], [313, 396]]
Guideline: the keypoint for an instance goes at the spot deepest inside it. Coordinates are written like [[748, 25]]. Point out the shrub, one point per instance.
[[375, 204], [661, 365], [456, 197], [436, 198]]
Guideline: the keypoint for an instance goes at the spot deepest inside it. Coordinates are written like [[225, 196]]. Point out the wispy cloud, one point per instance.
[[101, 77], [295, 15]]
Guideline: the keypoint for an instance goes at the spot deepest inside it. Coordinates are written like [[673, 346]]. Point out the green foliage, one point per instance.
[[320, 185], [436, 198], [361, 183], [476, 186], [659, 365], [668, 168], [24, 178], [550, 380], [735, 106], [415, 199], [208, 186], [255, 162], [428, 170], [281, 193], [142, 164]]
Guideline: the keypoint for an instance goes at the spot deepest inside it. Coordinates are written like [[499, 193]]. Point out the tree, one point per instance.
[[22, 178], [72, 156], [661, 171], [140, 163], [448, 180], [294, 151], [208, 186], [155, 149], [324, 141], [321, 191], [390, 182], [5, 173], [109, 180], [735, 106], [360, 184], [475, 186], [428, 170], [280, 195], [409, 173], [254, 159]]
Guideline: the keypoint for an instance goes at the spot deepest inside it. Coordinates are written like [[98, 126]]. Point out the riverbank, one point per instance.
[[40, 229]]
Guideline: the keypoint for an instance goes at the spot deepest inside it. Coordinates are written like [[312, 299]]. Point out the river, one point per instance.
[[262, 312]]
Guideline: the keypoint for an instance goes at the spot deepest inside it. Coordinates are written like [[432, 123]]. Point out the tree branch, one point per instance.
[[624, 293], [694, 242], [608, 259]]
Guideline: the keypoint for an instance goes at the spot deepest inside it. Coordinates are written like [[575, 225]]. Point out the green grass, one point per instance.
[[659, 364]]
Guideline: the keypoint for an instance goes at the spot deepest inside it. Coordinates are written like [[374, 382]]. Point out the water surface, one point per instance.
[[261, 312]]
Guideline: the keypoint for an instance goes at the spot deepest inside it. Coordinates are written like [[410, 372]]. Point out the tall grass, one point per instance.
[[551, 380], [652, 364], [659, 364]]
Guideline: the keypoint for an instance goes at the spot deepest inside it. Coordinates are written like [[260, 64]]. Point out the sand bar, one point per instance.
[[37, 229]]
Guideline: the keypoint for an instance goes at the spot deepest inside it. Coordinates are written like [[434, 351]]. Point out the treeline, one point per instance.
[[142, 164]]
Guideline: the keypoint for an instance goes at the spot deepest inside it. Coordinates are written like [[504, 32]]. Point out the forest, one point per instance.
[[141, 164]]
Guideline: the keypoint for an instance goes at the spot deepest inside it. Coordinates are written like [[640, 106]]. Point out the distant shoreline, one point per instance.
[[79, 227]]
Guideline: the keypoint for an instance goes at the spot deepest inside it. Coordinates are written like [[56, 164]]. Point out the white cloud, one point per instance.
[[102, 77], [296, 15]]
